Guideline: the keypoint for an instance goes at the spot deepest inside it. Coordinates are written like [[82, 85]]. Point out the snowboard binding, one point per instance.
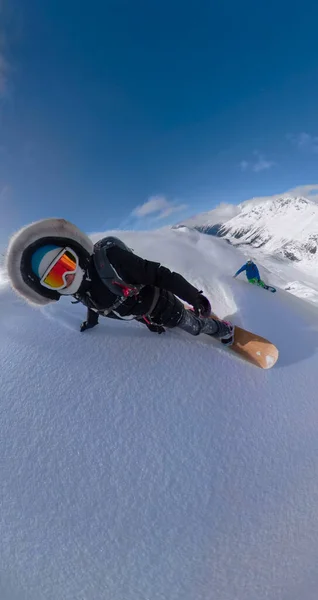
[[228, 338]]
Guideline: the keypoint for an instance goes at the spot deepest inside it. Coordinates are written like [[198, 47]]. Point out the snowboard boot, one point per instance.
[[262, 284], [222, 330]]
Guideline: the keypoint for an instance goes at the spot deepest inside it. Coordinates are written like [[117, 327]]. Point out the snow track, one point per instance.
[[144, 467]]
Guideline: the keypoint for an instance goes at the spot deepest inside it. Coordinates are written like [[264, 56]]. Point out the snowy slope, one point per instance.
[[280, 234], [145, 467]]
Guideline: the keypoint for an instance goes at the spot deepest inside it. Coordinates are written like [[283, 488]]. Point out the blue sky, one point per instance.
[[112, 109]]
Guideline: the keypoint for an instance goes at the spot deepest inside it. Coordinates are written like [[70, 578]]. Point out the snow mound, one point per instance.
[[302, 291], [143, 466]]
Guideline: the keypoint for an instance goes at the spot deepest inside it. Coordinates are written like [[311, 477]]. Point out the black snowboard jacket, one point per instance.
[[134, 270]]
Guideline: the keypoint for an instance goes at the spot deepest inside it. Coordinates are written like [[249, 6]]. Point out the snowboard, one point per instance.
[[253, 348], [270, 288]]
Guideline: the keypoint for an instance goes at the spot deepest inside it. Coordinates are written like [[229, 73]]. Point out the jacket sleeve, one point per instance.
[[136, 270], [241, 270]]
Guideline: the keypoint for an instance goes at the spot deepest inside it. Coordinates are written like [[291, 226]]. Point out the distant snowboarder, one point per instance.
[[252, 273], [52, 257], [253, 276]]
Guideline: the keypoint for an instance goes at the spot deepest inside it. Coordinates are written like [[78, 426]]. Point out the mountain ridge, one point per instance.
[[285, 227]]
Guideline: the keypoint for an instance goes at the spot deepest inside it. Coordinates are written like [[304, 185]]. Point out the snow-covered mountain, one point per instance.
[[285, 227], [136, 466]]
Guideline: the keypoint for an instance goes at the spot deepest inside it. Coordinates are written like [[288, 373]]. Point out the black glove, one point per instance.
[[202, 306], [87, 325], [155, 328]]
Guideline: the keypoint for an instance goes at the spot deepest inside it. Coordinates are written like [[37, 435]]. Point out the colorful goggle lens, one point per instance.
[[65, 263]]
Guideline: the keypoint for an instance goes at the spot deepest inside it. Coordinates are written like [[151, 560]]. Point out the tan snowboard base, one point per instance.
[[253, 348]]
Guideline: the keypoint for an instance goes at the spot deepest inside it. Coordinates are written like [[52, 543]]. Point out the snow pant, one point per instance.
[[256, 281], [170, 312], [194, 325]]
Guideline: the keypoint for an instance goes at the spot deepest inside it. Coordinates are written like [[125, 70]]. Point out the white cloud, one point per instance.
[[153, 205], [158, 206], [309, 191], [171, 209], [262, 164], [257, 165], [304, 141]]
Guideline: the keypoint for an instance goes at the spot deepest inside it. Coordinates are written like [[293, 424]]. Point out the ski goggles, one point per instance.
[[64, 264]]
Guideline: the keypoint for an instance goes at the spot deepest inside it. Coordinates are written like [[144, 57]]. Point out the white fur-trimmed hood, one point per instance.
[[22, 239]]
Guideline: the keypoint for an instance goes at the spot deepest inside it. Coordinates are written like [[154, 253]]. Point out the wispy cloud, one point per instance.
[[158, 207], [244, 165], [258, 164], [304, 141], [309, 191], [262, 164], [153, 205]]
